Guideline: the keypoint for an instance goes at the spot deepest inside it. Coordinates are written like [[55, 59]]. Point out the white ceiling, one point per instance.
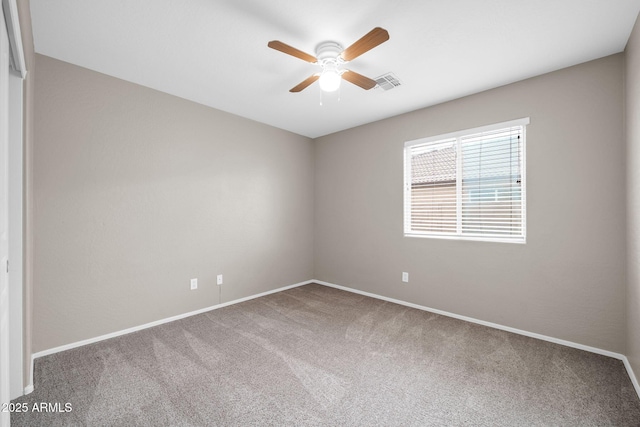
[[215, 51]]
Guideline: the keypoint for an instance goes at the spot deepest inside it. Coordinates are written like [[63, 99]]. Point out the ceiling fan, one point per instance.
[[330, 56]]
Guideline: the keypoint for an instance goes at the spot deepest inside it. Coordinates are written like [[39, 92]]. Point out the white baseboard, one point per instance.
[[596, 350], [156, 323], [632, 374], [29, 388]]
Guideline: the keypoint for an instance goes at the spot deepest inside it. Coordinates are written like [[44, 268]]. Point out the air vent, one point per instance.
[[388, 81]]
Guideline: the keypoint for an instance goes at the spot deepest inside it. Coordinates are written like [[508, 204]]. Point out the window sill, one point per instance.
[[518, 240]]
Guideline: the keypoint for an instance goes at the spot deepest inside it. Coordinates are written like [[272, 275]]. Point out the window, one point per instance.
[[467, 185]]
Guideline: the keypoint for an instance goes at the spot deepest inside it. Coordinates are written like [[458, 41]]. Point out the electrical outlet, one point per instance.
[[194, 284], [219, 279], [405, 277]]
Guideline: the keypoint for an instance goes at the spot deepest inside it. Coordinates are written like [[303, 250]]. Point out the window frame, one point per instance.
[[458, 135]]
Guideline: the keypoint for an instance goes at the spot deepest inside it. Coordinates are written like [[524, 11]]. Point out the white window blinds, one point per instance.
[[467, 185]]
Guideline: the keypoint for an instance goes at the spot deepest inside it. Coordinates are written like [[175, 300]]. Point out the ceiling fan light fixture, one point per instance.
[[330, 56], [330, 80]]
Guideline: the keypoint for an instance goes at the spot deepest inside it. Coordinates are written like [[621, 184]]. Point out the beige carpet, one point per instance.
[[319, 356]]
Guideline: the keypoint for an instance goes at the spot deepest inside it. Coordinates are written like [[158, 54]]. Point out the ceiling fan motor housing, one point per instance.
[[328, 52]]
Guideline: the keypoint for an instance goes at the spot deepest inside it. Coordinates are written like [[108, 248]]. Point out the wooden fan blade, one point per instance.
[[305, 83], [373, 38], [285, 48], [359, 80]]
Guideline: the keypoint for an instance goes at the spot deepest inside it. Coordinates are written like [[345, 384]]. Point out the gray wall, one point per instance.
[[567, 281], [633, 197], [137, 192]]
